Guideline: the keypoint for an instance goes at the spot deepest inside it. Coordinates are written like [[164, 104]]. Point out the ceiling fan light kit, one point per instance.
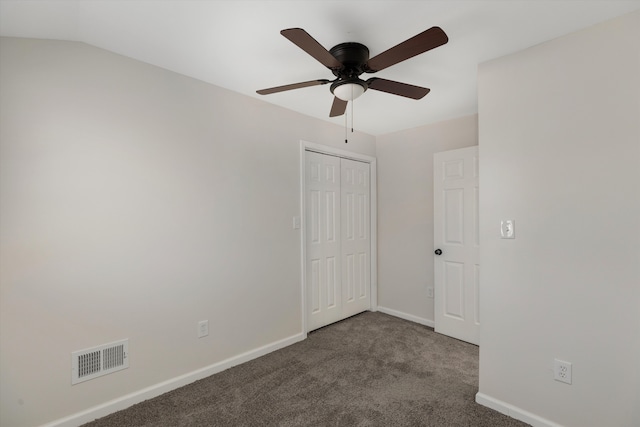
[[348, 91], [347, 61]]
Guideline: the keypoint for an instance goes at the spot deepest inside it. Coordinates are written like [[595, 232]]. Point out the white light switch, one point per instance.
[[296, 222], [508, 229]]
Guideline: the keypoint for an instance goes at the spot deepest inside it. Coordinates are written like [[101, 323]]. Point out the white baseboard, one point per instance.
[[513, 411], [405, 316], [128, 400], [481, 398]]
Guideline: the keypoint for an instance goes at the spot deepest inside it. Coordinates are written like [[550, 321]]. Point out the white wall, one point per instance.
[[405, 213], [134, 203], [559, 133]]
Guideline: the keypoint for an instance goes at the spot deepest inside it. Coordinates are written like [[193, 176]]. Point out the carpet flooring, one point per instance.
[[369, 370]]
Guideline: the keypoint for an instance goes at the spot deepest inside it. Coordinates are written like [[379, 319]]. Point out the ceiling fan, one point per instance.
[[347, 61]]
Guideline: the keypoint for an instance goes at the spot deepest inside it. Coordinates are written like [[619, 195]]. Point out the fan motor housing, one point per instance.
[[353, 56]]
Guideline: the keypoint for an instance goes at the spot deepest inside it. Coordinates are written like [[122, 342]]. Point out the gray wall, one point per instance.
[[136, 202], [560, 153], [405, 213]]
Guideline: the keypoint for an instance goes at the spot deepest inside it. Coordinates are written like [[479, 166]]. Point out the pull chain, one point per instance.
[[345, 128], [351, 113], [345, 118]]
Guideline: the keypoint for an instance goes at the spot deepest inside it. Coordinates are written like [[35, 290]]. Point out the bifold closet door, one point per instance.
[[356, 244], [337, 224]]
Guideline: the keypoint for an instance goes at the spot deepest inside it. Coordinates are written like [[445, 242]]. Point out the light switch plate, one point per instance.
[[203, 328], [508, 229], [296, 222]]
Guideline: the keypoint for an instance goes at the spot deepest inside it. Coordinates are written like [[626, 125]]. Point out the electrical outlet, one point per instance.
[[429, 292], [203, 328], [562, 371]]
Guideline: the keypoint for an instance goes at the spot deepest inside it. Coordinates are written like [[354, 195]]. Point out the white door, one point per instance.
[[456, 240], [356, 244], [337, 221]]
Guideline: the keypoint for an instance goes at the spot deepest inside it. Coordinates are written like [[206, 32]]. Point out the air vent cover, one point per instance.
[[97, 361]]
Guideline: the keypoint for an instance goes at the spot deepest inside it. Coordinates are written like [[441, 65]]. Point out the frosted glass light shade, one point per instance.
[[348, 91]]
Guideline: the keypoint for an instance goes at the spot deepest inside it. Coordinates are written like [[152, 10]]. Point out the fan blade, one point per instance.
[[293, 86], [427, 40], [304, 41], [338, 107], [397, 88]]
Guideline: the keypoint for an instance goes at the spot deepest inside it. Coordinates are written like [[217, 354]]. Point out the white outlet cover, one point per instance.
[[508, 229], [562, 371]]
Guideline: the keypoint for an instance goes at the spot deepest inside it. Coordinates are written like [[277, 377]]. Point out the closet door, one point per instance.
[[323, 231], [338, 241], [356, 242]]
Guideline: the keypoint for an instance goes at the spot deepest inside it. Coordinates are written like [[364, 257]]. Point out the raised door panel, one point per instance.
[[453, 216], [453, 282]]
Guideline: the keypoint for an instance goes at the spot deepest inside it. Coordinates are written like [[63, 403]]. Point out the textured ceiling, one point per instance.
[[237, 44]]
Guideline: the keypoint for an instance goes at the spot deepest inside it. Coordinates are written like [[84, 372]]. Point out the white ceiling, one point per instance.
[[237, 44]]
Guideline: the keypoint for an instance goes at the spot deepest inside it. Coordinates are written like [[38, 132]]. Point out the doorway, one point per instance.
[[338, 234], [457, 243]]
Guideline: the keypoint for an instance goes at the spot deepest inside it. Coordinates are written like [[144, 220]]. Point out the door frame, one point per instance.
[[373, 221]]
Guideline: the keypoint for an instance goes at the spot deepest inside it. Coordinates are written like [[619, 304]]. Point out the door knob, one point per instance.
[[438, 252]]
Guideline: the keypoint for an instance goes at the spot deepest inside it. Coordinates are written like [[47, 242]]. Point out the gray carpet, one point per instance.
[[369, 370]]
